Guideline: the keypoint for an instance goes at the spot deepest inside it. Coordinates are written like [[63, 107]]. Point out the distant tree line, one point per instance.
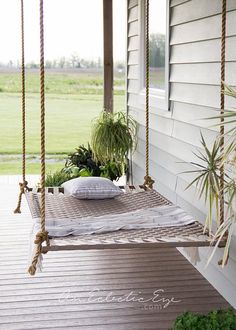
[[72, 62], [157, 59], [157, 50]]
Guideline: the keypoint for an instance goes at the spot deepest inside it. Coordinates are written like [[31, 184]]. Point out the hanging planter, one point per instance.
[[113, 137]]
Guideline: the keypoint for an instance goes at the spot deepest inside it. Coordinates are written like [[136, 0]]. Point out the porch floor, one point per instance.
[[121, 289]]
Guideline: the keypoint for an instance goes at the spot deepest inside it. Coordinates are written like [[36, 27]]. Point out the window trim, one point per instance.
[[159, 98]]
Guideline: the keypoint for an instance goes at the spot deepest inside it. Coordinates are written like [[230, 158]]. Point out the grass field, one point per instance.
[[72, 81], [72, 102]]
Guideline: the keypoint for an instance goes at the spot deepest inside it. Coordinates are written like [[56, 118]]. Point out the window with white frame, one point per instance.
[[158, 48], [157, 43]]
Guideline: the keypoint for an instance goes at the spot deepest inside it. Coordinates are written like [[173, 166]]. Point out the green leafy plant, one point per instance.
[[112, 170], [214, 320], [56, 179], [113, 137], [82, 163], [81, 160], [208, 178]]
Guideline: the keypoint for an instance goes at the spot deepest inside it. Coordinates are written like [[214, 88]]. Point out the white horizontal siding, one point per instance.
[[177, 2], [194, 95], [195, 114], [133, 57], [198, 9], [203, 95], [133, 86], [202, 73], [133, 14], [199, 30], [132, 3], [133, 29], [133, 43], [133, 72], [203, 51]]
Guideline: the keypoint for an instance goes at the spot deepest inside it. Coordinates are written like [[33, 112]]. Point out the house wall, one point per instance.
[[194, 75]]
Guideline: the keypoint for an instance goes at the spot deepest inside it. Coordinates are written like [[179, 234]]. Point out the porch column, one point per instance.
[[108, 55]]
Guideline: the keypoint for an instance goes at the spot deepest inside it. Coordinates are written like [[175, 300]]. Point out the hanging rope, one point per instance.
[[24, 183], [222, 106], [42, 236], [148, 181]]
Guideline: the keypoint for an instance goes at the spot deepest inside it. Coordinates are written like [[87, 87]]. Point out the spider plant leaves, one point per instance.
[[113, 136]]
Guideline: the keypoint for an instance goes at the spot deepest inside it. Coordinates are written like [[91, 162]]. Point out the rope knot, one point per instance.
[[41, 237], [148, 181], [23, 186]]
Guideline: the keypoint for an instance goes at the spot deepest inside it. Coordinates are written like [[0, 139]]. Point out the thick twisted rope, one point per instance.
[[23, 185], [222, 106], [148, 181], [42, 236]]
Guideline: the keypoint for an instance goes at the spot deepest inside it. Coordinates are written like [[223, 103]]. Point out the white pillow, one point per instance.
[[91, 188]]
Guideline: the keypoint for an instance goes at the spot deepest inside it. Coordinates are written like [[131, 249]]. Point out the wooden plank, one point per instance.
[[83, 305], [40, 295], [97, 269], [36, 302], [109, 315], [108, 55], [198, 9], [199, 30]]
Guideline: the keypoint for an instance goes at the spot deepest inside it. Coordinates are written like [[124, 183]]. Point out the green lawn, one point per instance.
[[8, 168], [68, 121], [72, 102], [73, 81]]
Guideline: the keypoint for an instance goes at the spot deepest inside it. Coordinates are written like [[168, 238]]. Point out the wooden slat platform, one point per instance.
[[93, 289]]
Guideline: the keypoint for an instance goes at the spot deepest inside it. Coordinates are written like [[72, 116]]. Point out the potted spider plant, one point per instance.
[[113, 137], [208, 177]]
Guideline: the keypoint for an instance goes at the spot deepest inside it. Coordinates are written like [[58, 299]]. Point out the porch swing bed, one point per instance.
[[54, 206]]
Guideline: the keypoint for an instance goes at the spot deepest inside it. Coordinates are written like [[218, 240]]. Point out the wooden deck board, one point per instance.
[[63, 296]]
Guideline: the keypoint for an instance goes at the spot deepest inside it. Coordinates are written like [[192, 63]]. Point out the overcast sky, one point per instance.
[[71, 26]]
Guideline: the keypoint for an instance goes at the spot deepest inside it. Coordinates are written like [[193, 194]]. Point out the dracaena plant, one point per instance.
[[208, 177]]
